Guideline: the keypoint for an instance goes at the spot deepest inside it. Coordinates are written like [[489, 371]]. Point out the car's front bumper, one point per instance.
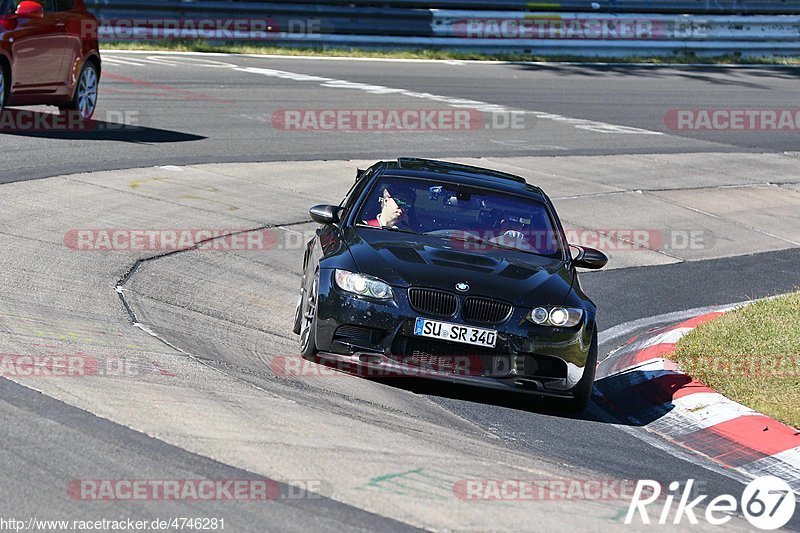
[[378, 338]]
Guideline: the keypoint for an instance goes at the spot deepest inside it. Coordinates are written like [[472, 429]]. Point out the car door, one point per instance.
[[37, 48], [72, 24]]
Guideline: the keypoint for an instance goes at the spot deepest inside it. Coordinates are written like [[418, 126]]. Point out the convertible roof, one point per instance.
[[467, 174]]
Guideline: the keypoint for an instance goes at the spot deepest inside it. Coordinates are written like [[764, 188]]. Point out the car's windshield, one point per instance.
[[477, 218]]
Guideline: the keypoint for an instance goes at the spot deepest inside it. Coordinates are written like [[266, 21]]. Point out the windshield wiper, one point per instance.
[[400, 230]]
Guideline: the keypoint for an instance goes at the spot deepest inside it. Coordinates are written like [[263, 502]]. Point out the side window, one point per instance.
[[63, 5]]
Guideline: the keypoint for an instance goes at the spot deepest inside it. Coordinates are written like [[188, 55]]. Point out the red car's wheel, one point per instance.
[[85, 99], [2, 87]]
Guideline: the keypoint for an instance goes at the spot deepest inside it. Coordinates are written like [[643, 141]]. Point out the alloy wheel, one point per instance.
[[87, 92], [2, 88], [308, 318]]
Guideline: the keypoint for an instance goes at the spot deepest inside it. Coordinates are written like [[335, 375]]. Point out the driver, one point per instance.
[[396, 202], [514, 227], [514, 232]]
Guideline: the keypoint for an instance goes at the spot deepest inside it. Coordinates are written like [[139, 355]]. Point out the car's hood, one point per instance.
[[404, 260]]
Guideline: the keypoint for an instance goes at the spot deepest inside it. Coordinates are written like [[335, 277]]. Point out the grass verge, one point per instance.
[[204, 46], [751, 355]]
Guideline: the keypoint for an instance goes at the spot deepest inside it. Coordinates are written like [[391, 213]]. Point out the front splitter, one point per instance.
[[379, 366]]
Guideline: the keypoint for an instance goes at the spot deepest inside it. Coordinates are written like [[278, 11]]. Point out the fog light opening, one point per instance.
[[528, 384]]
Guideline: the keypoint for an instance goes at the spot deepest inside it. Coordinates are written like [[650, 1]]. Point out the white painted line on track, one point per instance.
[[790, 457], [730, 221], [461, 103], [656, 366], [668, 337], [168, 61], [524, 145], [706, 409], [627, 328], [191, 61], [117, 61]]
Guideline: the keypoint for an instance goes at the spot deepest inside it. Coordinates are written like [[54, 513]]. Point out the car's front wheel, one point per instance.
[[298, 311], [308, 326], [85, 99], [583, 390]]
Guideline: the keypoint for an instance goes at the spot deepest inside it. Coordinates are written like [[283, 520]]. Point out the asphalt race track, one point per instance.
[[190, 141], [201, 109]]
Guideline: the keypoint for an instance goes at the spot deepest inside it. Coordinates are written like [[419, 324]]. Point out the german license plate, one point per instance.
[[455, 332]]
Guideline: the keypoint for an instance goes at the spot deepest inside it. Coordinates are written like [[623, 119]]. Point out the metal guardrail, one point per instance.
[[561, 33], [718, 7]]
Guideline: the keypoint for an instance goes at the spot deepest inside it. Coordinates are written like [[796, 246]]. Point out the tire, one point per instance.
[[3, 89], [84, 101], [583, 390], [298, 311], [308, 329]]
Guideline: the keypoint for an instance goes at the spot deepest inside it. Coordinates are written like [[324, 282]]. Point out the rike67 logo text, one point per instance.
[[767, 503]]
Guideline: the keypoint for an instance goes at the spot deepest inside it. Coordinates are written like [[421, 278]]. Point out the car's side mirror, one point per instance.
[[588, 257], [326, 214], [359, 173], [30, 10]]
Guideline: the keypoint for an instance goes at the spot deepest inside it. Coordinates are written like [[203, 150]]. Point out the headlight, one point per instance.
[[562, 317], [363, 285]]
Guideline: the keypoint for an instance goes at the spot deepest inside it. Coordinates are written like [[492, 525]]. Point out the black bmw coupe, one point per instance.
[[451, 272]]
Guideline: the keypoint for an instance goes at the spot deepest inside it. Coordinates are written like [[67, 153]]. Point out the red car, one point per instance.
[[49, 55]]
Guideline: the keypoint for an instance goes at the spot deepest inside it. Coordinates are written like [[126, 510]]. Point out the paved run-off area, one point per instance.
[[213, 390]]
